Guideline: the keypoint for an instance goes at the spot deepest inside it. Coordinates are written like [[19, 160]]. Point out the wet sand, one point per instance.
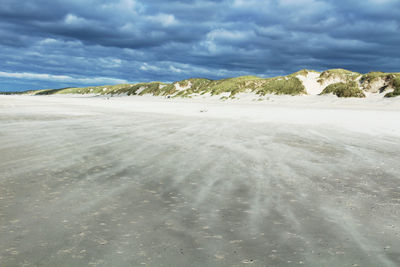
[[86, 181]]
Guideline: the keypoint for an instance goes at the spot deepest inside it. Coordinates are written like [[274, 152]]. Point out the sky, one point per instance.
[[63, 43]]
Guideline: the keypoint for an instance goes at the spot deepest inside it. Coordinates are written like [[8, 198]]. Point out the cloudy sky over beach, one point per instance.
[[60, 43]]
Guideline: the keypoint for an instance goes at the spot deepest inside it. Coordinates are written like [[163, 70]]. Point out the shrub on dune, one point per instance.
[[350, 89], [282, 86], [396, 85]]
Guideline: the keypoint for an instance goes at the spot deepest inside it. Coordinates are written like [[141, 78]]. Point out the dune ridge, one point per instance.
[[339, 82]]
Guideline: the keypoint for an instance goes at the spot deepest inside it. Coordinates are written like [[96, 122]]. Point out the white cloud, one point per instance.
[[51, 42], [176, 70], [164, 19], [61, 78], [73, 19], [48, 41], [108, 62], [229, 34], [122, 7], [147, 67], [222, 39], [130, 5]]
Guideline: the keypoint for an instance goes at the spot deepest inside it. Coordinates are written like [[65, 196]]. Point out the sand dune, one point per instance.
[[339, 82]]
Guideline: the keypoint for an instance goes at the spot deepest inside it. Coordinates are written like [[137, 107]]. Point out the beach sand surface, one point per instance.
[[148, 181]]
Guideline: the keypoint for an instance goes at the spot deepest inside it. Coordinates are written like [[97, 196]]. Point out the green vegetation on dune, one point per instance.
[[47, 91], [381, 82], [147, 88], [341, 74], [202, 86], [372, 76], [92, 89], [388, 80], [198, 84], [193, 85], [129, 89], [282, 86], [396, 86], [350, 89], [233, 86], [375, 76]]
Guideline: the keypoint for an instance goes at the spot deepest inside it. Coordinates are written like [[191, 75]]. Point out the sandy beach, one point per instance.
[[132, 181]]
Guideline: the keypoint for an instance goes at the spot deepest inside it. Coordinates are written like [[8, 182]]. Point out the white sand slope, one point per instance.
[[310, 82]]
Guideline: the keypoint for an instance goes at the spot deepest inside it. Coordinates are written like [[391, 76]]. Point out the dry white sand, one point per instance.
[[310, 82], [125, 181], [373, 115]]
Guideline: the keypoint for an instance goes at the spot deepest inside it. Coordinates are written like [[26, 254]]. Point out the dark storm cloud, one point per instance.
[[60, 43]]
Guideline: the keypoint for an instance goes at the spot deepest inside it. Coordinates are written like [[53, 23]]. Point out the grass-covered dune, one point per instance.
[[350, 89], [233, 86], [338, 74], [196, 86], [340, 82], [396, 86], [344, 83], [129, 89]]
